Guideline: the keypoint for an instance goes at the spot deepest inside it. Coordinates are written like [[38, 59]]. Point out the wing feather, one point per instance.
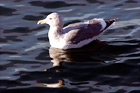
[[82, 31]]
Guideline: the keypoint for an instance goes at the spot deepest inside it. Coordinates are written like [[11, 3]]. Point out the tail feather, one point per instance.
[[109, 22]]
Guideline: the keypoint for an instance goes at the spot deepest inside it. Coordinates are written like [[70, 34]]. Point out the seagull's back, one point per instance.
[[81, 34]]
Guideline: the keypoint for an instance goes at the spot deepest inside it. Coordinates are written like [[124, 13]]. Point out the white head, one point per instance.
[[53, 19]]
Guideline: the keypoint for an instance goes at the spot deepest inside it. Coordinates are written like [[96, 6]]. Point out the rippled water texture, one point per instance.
[[109, 64]]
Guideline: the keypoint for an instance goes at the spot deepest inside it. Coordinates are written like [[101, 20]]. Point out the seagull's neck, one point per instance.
[[55, 32], [56, 29]]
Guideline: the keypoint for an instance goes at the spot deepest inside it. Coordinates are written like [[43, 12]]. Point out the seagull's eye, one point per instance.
[[50, 18]]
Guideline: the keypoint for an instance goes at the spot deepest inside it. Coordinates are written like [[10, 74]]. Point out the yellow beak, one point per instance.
[[41, 21]]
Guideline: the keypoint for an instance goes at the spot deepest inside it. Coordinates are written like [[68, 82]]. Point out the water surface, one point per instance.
[[109, 64]]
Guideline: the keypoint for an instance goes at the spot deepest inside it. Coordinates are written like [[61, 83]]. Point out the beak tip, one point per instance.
[[38, 22], [41, 22]]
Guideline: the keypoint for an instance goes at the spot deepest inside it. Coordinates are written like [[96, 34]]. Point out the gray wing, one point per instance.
[[82, 31]]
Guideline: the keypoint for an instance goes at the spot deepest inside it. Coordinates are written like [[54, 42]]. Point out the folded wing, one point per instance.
[[78, 32]]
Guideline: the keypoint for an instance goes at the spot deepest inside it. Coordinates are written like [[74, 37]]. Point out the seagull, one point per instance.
[[74, 35]]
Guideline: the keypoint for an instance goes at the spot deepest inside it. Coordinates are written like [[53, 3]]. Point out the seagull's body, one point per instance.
[[74, 35]]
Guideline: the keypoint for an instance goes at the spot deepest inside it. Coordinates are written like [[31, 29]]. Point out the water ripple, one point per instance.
[[109, 64]]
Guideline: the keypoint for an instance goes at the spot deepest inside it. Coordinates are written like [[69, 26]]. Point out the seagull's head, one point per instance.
[[53, 19]]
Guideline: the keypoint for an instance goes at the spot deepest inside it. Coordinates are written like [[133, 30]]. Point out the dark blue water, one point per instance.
[[109, 64]]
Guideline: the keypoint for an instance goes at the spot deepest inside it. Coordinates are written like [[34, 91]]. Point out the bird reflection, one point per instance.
[[51, 85], [87, 53], [76, 55]]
